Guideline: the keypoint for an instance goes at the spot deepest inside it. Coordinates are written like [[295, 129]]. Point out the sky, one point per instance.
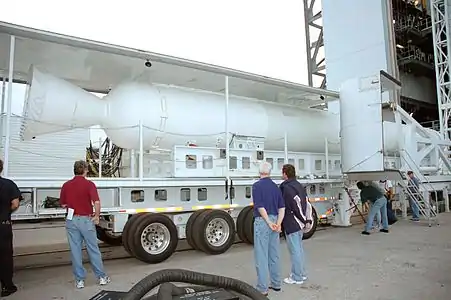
[[260, 36]]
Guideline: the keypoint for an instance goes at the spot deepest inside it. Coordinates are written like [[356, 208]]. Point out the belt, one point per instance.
[[5, 222]]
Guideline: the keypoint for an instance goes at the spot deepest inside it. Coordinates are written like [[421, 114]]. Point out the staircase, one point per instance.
[[427, 206]]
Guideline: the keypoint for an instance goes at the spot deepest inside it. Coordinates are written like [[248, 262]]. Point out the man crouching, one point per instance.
[[378, 203]]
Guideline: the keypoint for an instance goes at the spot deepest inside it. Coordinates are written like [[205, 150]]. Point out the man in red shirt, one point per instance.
[[78, 196]]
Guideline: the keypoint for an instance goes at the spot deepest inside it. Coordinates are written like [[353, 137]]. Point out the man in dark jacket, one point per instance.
[[378, 203], [9, 202], [294, 221]]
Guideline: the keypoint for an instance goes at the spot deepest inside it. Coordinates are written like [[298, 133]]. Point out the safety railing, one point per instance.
[[427, 209]]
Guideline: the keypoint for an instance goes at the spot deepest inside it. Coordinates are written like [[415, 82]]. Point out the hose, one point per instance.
[[168, 290], [139, 290]]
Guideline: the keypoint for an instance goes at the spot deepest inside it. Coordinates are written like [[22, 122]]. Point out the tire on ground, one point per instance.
[[155, 238], [129, 228], [214, 231], [249, 226], [108, 238], [189, 229], [240, 224], [312, 230]]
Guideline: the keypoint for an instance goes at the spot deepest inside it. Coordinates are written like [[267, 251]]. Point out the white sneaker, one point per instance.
[[104, 280], [290, 280], [304, 278], [79, 284]]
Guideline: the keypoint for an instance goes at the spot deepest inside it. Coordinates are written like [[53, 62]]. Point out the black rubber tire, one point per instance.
[[128, 229], [200, 238], [240, 224], [135, 243], [189, 229], [249, 226], [107, 238], [309, 234]]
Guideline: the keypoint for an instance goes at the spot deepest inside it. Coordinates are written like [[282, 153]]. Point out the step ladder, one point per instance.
[[354, 206], [427, 206]]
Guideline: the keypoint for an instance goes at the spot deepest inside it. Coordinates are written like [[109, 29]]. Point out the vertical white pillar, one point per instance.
[[8, 105]]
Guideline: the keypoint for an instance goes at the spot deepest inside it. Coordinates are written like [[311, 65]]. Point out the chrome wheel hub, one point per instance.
[[217, 232], [155, 238]]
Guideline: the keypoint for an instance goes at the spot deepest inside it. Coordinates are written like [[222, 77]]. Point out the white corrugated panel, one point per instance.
[[51, 155]]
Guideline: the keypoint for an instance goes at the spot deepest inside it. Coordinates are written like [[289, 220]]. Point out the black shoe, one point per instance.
[[8, 291], [365, 232], [384, 230], [275, 289]]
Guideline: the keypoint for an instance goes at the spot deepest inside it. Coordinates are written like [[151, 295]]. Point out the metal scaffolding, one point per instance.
[[442, 47], [315, 62]]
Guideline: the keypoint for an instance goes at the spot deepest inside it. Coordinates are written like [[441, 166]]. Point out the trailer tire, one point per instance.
[[312, 230], [249, 226], [189, 231], [215, 231], [108, 238], [150, 229], [240, 224], [128, 230]]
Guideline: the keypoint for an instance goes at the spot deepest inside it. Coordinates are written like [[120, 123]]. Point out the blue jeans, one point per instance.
[[81, 229], [267, 254], [296, 249], [415, 209], [380, 205], [378, 218]]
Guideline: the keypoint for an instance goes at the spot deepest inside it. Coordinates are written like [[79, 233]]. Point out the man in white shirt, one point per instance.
[[389, 192], [386, 186]]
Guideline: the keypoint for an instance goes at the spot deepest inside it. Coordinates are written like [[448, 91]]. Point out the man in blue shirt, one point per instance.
[[294, 222], [269, 210], [414, 188]]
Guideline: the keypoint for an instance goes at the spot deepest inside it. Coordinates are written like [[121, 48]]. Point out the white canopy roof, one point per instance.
[[97, 66]]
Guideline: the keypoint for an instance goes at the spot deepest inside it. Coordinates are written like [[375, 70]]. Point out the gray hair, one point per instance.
[[265, 168]]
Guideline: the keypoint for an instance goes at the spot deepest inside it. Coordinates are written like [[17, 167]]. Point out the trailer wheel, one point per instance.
[[214, 231], [240, 224], [189, 229], [128, 230], [249, 226], [108, 237], [312, 230], [155, 238]]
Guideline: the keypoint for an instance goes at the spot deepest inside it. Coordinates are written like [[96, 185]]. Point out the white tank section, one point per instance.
[[54, 105], [362, 133], [175, 116], [199, 117], [364, 136]]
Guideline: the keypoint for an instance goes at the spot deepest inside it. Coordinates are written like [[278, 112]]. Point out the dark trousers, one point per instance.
[[391, 214], [6, 255]]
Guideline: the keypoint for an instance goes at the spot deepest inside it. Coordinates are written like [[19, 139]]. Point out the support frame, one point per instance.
[[442, 47], [315, 63]]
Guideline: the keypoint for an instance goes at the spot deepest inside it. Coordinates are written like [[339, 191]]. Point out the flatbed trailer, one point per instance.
[[206, 205]]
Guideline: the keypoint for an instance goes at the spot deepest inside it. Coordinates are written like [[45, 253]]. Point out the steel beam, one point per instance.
[[314, 43], [440, 31]]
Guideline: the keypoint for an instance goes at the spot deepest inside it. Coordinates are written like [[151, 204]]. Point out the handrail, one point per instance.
[[428, 211], [420, 174]]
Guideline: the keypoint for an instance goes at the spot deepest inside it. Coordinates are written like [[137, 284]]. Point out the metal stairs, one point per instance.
[[421, 194]]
